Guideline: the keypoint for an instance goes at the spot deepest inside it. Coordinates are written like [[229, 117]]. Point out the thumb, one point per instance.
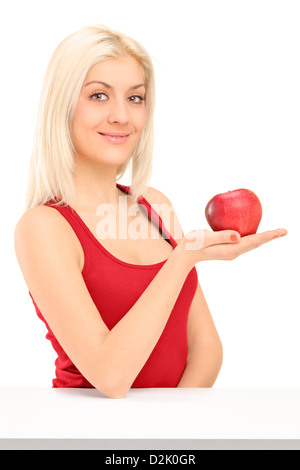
[[198, 239], [233, 236], [222, 236]]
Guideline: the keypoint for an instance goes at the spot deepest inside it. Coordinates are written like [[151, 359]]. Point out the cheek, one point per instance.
[[81, 124], [85, 116], [141, 121]]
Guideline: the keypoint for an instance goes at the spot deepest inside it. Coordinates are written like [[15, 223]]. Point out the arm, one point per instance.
[[110, 360], [205, 353]]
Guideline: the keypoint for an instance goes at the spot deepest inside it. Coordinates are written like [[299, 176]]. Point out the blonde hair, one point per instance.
[[52, 160]]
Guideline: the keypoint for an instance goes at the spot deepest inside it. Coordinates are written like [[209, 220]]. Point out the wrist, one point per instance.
[[184, 258]]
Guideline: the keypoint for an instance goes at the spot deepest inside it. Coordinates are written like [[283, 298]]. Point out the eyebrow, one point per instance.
[[134, 87]]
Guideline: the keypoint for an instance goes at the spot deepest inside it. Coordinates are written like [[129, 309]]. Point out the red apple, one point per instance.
[[238, 210]]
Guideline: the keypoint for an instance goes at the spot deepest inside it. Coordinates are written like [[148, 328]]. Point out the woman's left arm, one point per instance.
[[205, 352]]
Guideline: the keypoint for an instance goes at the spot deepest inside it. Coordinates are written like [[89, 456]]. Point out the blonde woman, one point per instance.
[[107, 267]]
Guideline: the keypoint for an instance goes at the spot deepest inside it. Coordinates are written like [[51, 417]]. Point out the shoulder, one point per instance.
[[37, 214], [154, 196], [41, 220], [38, 217], [164, 207], [43, 228]]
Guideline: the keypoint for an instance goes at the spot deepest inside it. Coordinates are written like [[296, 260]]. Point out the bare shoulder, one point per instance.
[[37, 218], [162, 204], [41, 221], [38, 215], [44, 227], [154, 196], [52, 273]]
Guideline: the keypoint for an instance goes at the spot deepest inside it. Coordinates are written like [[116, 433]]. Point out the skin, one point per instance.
[[48, 252], [117, 109], [95, 180]]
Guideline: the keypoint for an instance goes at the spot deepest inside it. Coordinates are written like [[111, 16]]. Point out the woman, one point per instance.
[[113, 280]]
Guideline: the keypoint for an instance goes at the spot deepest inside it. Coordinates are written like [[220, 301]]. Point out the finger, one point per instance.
[[281, 232], [198, 239], [264, 237], [220, 237]]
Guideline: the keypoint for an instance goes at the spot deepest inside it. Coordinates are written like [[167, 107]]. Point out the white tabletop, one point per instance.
[[149, 418]]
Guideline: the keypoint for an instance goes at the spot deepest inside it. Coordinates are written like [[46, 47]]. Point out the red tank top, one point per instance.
[[115, 286]]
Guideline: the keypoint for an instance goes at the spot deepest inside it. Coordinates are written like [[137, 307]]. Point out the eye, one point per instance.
[[141, 98], [135, 99], [96, 96]]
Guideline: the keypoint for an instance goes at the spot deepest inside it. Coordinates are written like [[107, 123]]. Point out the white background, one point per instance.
[[227, 117]]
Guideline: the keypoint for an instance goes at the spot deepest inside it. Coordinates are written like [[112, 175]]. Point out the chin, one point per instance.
[[113, 160]]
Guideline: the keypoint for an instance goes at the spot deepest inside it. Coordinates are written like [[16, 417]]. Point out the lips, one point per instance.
[[115, 138], [114, 134]]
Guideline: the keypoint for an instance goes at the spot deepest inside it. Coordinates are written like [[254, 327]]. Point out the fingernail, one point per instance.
[[282, 233], [233, 238]]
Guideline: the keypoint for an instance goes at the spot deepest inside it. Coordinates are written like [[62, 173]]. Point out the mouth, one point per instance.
[[114, 134], [115, 138]]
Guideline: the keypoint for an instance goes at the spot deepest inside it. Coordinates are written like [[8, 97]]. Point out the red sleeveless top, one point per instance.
[[115, 286]]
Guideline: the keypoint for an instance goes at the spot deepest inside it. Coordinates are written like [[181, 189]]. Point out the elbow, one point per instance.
[[116, 394], [219, 355], [108, 379], [215, 353], [215, 348], [216, 364], [113, 388]]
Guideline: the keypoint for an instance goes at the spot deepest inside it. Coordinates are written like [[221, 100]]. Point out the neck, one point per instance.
[[94, 186]]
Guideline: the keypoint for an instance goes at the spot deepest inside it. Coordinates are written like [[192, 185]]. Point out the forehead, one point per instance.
[[117, 70]]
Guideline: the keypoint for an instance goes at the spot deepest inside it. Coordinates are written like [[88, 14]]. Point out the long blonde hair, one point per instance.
[[52, 161]]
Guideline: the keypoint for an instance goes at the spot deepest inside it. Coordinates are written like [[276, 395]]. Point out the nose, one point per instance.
[[118, 111]]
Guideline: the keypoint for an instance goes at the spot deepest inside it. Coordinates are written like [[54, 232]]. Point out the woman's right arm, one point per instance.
[[109, 359]]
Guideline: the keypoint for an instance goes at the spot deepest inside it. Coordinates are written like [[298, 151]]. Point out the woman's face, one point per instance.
[[116, 105]]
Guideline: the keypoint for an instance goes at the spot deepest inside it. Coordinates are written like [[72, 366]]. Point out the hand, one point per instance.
[[204, 245]]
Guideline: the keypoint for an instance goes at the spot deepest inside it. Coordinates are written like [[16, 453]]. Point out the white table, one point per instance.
[[40, 418]]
